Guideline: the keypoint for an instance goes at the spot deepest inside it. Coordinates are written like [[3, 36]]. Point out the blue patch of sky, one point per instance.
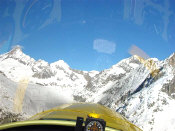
[[83, 21]]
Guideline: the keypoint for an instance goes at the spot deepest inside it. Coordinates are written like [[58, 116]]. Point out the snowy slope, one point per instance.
[[142, 90], [37, 98], [152, 108]]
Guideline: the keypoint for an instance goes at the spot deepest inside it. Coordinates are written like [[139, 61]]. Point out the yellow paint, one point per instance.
[[19, 96], [67, 115], [44, 122], [113, 119], [37, 122], [94, 115]]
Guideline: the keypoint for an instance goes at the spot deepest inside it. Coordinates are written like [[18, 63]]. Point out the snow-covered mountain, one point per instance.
[[141, 90]]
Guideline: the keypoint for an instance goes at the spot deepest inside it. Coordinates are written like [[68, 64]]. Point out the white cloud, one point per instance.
[[104, 46]]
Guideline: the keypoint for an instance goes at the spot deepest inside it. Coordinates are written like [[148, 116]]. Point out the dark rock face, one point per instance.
[[44, 74], [79, 98], [2, 73], [7, 117], [171, 60], [169, 88]]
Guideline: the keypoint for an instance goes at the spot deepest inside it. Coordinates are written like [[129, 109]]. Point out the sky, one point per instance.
[[88, 34]]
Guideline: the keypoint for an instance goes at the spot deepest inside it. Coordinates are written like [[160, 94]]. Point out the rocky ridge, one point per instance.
[[139, 89]]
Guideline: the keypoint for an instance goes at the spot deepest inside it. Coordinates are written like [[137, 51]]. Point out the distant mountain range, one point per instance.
[[141, 90]]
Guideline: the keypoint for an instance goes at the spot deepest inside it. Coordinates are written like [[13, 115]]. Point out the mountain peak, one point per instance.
[[171, 59], [172, 55], [16, 50], [61, 63], [17, 47], [17, 54]]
